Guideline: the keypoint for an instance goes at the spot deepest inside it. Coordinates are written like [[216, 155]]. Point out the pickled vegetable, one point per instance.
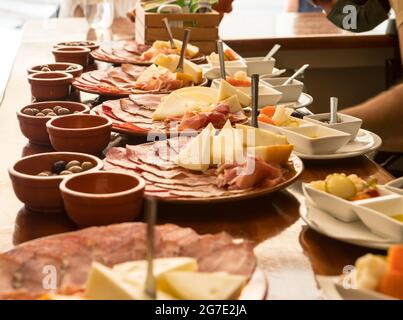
[[340, 186]]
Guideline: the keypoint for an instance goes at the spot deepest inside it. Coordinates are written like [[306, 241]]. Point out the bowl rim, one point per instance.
[[51, 126], [64, 189], [13, 172], [63, 76], [20, 114], [350, 119], [90, 44], [75, 49], [339, 135], [77, 67]]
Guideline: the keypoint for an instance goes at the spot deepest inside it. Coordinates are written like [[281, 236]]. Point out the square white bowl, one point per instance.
[[337, 207], [256, 65], [316, 139], [231, 67], [291, 92], [348, 124], [377, 215], [280, 129], [267, 95], [396, 186]]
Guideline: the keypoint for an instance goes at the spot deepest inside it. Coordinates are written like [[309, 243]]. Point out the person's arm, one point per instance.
[[292, 6], [383, 115]]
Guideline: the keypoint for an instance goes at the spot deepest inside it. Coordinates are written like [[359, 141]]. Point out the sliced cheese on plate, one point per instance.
[[227, 146], [278, 154], [254, 137], [171, 62], [233, 102], [226, 90]]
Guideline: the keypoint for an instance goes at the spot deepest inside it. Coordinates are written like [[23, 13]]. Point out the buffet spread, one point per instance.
[[214, 134]]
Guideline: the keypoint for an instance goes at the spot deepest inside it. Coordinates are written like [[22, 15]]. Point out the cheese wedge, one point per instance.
[[233, 103], [151, 72], [183, 100], [253, 137], [197, 153], [204, 286], [227, 147], [282, 115], [278, 154], [226, 90], [191, 50], [104, 284], [171, 62]]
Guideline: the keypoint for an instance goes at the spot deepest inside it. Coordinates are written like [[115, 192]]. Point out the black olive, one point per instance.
[[59, 166]]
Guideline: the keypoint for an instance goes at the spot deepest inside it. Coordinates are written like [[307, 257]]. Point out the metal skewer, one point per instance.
[[255, 99], [220, 49], [151, 217], [185, 42], [171, 38], [333, 109]]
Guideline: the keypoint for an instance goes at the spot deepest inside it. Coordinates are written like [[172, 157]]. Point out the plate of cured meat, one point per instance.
[[131, 79], [140, 54], [107, 263], [185, 109], [237, 163]]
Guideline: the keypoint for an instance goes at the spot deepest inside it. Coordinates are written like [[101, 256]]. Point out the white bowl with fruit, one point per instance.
[[339, 194]]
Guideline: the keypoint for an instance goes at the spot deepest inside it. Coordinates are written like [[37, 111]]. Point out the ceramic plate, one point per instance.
[[304, 100]]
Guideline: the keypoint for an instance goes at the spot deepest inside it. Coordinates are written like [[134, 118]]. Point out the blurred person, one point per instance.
[[382, 114]]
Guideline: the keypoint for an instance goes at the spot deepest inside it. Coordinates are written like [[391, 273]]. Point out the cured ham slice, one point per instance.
[[120, 114], [21, 269]]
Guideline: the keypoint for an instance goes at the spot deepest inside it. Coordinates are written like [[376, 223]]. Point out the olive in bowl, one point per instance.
[[80, 133], [52, 85], [33, 117], [74, 69], [72, 54], [102, 198], [36, 182]]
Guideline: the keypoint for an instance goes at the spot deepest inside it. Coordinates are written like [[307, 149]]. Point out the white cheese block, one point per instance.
[[151, 72], [204, 286], [253, 137], [226, 90], [197, 153], [191, 50], [282, 115], [171, 62], [183, 100], [104, 284]]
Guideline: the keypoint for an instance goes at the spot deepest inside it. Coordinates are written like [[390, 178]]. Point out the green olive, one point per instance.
[[45, 69], [65, 173], [56, 109], [76, 169], [35, 111], [39, 114], [46, 111], [63, 111], [51, 114], [86, 165], [72, 163], [44, 174], [28, 111]]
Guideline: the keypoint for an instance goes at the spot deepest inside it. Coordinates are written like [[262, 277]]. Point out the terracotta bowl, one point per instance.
[[34, 128], [42, 193], [102, 198], [78, 55], [53, 85], [80, 133], [86, 44], [58, 66]]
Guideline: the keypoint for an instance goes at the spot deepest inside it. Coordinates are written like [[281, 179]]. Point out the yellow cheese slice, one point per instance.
[[233, 103], [278, 154], [227, 147], [226, 90], [204, 286], [253, 137], [171, 62]]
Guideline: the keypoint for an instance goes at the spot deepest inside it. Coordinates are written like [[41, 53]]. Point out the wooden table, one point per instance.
[[288, 252]]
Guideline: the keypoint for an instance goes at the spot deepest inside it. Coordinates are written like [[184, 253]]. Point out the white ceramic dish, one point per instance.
[[377, 215], [256, 65], [316, 139], [396, 186], [231, 67], [348, 124], [339, 208], [304, 100], [279, 129], [291, 92], [350, 232], [364, 143], [267, 95]]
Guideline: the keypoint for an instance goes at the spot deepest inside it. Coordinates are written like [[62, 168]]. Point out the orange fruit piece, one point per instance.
[[268, 111], [266, 119], [392, 284], [395, 258]]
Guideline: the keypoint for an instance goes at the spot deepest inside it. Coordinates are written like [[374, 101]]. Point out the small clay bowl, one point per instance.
[[80, 133], [76, 70], [42, 193], [102, 198], [86, 44], [78, 55], [54, 85], [34, 128]]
